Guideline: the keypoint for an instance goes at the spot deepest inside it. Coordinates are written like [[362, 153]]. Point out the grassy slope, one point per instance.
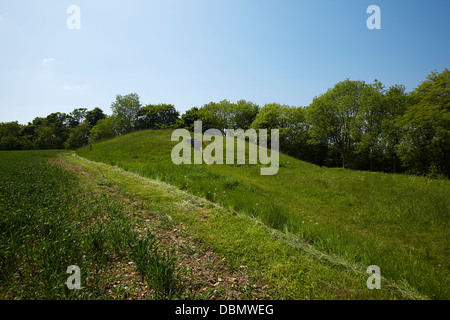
[[279, 265], [397, 222]]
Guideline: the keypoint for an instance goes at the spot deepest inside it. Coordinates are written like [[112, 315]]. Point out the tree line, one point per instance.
[[355, 125]]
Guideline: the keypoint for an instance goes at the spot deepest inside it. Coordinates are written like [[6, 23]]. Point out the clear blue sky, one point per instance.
[[191, 52]]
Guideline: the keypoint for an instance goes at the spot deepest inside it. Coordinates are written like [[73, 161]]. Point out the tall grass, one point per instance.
[[158, 266], [397, 222], [49, 221]]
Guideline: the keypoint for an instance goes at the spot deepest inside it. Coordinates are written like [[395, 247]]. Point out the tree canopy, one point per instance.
[[157, 116], [354, 125], [126, 109]]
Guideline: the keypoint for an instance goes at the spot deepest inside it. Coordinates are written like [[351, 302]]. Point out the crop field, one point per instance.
[[50, 220]]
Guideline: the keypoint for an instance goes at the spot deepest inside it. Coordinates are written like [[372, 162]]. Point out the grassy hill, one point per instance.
[[397, 222]]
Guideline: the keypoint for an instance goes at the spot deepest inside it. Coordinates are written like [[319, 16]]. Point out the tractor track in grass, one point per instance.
[[275, 266], [206, 273]]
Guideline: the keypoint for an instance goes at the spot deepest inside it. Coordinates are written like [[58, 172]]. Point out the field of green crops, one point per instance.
[[49, 221]]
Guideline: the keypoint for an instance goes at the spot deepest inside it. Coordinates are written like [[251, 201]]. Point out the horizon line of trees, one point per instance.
[[354, 125]]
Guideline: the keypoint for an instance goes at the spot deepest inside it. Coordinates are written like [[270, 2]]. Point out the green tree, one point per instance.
[[51, 132], [104, 129], [274, 116], [27, 136], [332, 120], [188, 118], [215, 115], [94, 115], [47, 139], [425, 145], [395, 102], [291, 123], [225, 115], [243, 113], [157, 116], [78, 136], [368, 127], [126, 109], [76, 117], [9, 136]]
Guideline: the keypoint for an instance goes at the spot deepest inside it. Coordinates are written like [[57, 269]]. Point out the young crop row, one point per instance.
[[50, 221]]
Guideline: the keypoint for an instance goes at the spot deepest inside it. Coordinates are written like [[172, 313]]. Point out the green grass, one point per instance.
[[50, 220], [280, 264], [397, 222], [158, 267]]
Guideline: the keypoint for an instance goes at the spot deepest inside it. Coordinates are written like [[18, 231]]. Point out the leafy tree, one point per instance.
[[10, 143], [126, 109], [76, 117], [157, 116], [27, 135], [425, 145], [222, 115], [294, 135], [243, 113], [78, 137], [291, 123], [215, 115], [104, 129], [188, 118], [395, 102], [9, 136], [51, 132], [368, 127], [38, 121], [332, 119], [47, 139], [275, 116], [94, 115]]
